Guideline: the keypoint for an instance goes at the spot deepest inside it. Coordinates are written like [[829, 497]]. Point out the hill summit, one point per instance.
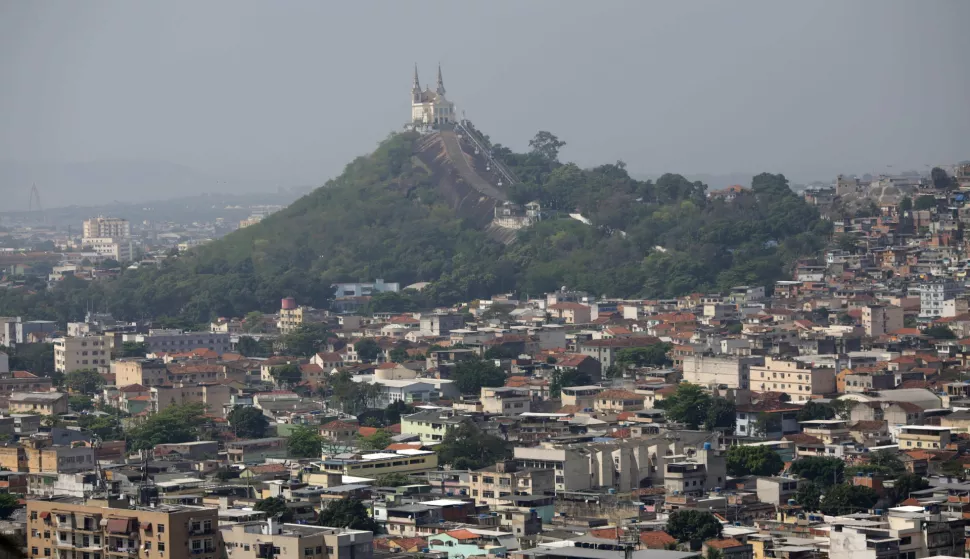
[[413, 211]]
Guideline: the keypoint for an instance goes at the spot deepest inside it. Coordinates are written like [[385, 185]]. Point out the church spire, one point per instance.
[[441, 82], [416, 84]]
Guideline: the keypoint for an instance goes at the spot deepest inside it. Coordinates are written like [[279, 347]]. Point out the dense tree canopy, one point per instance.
[[843, 498], [275, 507], [471, 375], [690, 404], [753, 460], [305, 442], [388, 216], [819, 469], [174, 424], [693, 526], [468, 447], [248, 422], [347, 513]]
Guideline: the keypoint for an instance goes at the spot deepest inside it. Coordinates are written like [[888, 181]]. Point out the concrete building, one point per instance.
[[776, 490], [933, 294], [881, 319], [697, 475], [441, 324], [214, 396], [146, 372], [22, 381], [178, 341], [63, 526], [431, 426], [365, 289], [258, 540], [122, 250], [14, 330], [493, 485], [112, 227], [719, 371], [582, 396], [929, 437], [4, 363], [43, 403], [505, 400], [379, 463], [256, 451], [799, 380], [86, 352], [571, 313]]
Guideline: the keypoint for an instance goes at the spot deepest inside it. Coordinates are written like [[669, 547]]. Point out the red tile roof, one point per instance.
[[723, 544], [656, 539]]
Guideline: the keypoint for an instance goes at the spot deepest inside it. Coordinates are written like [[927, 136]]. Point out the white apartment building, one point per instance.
[[715, 371], [85, 352], [797, 379], [933, 294], [363, 289], [177, 341], [121, 250], [112, 227]]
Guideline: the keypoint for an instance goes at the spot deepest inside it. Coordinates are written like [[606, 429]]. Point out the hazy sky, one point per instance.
[[287, 92]]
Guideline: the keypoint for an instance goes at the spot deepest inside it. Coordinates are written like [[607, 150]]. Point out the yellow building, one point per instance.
[[146, 372], [65, 527], [83, 352], [380, 463], [923, 436], [43, 403], [40, 456], [430, 108], [799, 380]]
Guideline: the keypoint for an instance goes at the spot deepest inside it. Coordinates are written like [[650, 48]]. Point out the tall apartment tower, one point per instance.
[[106, 227]]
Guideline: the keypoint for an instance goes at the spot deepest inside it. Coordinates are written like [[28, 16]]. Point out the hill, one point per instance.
[[405, 213]]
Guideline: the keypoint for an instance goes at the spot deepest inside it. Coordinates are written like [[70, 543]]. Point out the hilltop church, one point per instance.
[[430, 108]]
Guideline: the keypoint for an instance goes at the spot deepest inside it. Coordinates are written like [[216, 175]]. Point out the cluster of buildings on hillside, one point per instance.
[[876, 330]]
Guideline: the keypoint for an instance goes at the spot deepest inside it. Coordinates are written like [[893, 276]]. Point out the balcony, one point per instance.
[[126, 551]]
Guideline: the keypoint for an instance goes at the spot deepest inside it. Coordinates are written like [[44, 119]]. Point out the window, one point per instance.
[[307, 551], [161, 528], [148, 546], [319, 549]]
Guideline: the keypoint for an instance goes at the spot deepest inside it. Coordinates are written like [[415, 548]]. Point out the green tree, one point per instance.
[[134, 349], [905, 484], [305, 340], [253, 322], [275, 507], [8, 504], [174, 424], [821, 470], [471, 375], [720, 415], [367, 349], [888, 460], [249, 347], [286, 375], [84, 381], [105, 427], [305, 442], [906, 204], [546, 145], [843, 408], [846, 242], [765, 424], [347, 513], [843, 499], [399, 355], [940, 332], [693, 527], [925, 202], [809, 495], [396, 479], [689, 404], [814, 410], [940, 179], [566, 378], [248, 422], [34, 358], [654, 355], [80, 403], [378, 441], [753, 460], [468, 447]]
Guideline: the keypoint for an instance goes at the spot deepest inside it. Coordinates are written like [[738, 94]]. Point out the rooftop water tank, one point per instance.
[[707, 446], [289, 303]]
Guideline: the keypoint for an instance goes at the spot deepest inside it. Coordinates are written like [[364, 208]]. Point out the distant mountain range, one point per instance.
[[100, 182]]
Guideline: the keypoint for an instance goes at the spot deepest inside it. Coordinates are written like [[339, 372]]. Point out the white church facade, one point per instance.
[[430, 108]]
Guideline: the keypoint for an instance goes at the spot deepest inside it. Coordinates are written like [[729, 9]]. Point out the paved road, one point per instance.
[[457, 157]]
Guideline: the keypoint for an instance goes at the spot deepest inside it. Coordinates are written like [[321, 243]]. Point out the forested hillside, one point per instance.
[[384, 217]]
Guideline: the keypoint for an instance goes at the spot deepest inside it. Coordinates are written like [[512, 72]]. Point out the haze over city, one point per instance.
[[133, 101]]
